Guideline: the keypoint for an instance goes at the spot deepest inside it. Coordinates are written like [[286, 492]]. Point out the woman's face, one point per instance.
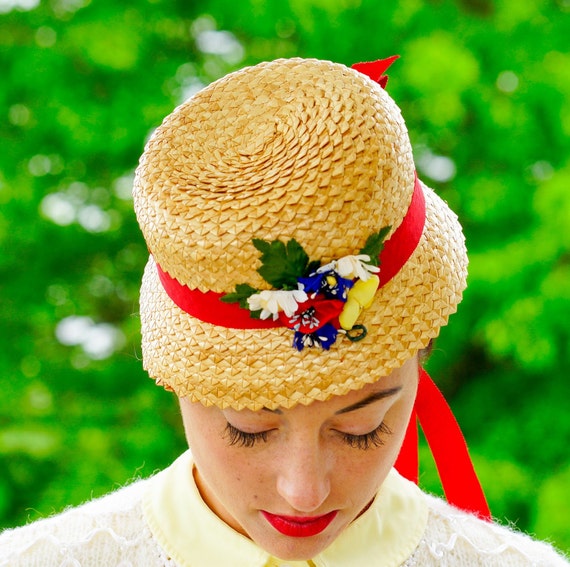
[[293, 479]]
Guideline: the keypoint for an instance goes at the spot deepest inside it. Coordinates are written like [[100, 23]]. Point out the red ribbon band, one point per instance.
[[207, 306]]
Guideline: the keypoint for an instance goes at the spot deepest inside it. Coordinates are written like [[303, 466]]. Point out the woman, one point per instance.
[[298, 267]]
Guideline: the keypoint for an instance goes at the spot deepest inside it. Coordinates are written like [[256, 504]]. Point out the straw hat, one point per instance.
[[291, 149]]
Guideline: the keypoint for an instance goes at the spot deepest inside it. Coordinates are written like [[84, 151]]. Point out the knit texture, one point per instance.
[[111, 532]]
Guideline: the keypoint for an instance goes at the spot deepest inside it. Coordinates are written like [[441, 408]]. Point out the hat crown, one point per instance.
[[295, 148]]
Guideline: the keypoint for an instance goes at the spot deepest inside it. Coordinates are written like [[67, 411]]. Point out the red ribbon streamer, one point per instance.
[[451, 455], [207, 306], [442, 432]]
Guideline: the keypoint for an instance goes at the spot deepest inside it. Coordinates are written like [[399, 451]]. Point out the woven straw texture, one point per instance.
[[301, 149]]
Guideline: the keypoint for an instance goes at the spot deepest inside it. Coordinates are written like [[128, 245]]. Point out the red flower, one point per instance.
[[313, 314]]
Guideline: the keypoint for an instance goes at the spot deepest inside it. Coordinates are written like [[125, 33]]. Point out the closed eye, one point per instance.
[[237, 437], [368, 440], [240, 438]]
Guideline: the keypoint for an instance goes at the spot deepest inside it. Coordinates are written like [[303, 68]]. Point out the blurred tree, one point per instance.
[[484, 88]]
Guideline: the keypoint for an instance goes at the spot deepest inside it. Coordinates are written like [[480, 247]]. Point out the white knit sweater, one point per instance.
[[112, 532]]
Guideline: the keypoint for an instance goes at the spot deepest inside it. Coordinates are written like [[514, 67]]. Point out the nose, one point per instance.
[[303, 477]]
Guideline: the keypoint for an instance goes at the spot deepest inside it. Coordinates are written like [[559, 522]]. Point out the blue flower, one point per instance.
[[312, 282], [335, 287], [329, 283], [324, 337]]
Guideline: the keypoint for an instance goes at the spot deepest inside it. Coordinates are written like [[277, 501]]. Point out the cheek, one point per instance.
[[206, 442], [358, 476], [208, 446], [222, 466], [377, 462]]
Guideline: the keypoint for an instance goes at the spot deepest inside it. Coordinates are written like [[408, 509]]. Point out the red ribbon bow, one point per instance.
[[375, 69]]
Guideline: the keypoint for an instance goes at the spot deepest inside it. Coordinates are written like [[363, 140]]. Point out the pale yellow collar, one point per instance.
[[384, 536]]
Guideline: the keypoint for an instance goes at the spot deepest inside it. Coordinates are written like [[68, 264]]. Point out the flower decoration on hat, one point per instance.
[[318, 302]]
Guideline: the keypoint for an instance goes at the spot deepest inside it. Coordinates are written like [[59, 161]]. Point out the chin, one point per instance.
[[289, 548]]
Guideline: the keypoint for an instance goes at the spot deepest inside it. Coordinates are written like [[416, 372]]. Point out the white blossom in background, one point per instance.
[[9, 5], [212, 41], [436, 167], [98, 340], [93, 219], [72, 205], [58, 208], [507, 82]]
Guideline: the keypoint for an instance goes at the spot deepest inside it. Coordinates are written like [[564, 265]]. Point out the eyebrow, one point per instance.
[[382, 394]]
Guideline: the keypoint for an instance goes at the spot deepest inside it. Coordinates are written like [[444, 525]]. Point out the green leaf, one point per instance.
[[374, 245], [282, 264], [241, 295]]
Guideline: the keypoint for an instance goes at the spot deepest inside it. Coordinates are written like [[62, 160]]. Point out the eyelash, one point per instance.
[[368, 440], [239, 438]]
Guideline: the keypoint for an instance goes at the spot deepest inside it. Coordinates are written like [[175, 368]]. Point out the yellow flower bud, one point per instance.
[[360, 296], [363, 291], [349, 314]]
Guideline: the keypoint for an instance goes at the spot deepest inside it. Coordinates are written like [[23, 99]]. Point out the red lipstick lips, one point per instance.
[[300, 526]]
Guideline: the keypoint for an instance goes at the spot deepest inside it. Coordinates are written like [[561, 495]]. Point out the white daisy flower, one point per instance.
[[352, 267], [271, 302]]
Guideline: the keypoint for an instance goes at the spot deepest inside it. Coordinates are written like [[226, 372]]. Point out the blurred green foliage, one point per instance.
[[484, 87]]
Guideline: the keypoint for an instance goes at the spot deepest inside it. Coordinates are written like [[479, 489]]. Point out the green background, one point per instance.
[[484, 87]]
